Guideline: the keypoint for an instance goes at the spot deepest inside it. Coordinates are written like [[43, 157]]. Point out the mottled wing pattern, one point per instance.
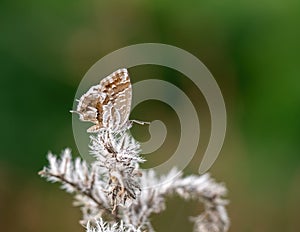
[[108, 104], [86, 107], [115, 109]]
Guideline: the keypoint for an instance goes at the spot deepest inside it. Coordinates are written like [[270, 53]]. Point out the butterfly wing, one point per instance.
[[118, 90], [86, 107], [108, 104]]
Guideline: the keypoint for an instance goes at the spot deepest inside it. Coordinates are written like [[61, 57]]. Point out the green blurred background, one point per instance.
[[251, 47]]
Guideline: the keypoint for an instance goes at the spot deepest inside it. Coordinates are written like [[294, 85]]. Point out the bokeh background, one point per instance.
[[251, 47]]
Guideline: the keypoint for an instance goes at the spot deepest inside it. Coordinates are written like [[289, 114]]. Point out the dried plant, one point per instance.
[[115, 195]]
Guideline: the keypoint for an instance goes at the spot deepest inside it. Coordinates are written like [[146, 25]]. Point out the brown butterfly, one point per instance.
[[107, 104]]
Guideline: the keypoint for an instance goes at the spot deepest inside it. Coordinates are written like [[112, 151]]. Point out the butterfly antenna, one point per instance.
[[139, 122]]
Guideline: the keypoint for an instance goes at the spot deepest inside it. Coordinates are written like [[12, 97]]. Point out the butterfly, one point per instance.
[[107, 104]]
